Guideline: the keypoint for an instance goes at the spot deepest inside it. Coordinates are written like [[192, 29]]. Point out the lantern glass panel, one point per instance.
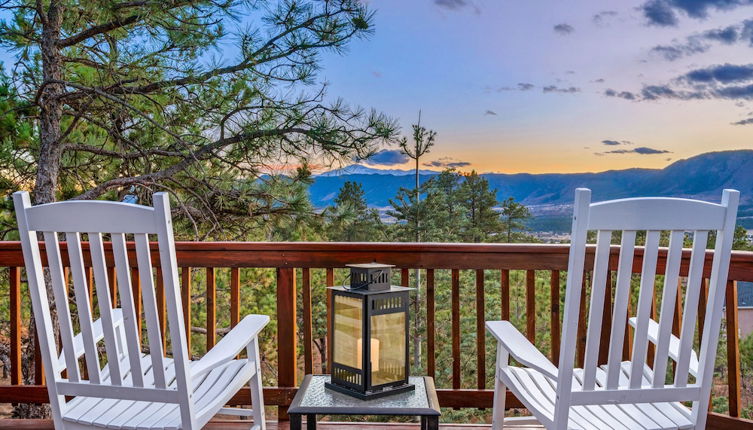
[[348, 331], [388, 358]]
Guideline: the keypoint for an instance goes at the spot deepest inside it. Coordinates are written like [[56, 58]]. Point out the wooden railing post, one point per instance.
[[286, 333], [14, 276], [330, 278], [235, 296], [531, 305], [733, 350], [211, 308], [308, 353], [554, 285], [480, 332], [430, 318], [455, 329], [186, 299]]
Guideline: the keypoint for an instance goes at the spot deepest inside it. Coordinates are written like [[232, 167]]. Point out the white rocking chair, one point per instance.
[[627, 394], [132, 390]]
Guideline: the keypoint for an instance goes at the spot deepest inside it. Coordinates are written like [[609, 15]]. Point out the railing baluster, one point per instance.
[[455, 329], [702, 302], [211, 307], [677, 321], [627, 345], [90, 282], [554, 285], [112, 280], [161, 308], [733, 350], [504, 287], [136, 288], [286, 333], [235, 296], [330, 309], [606, 321], [308, 357], [430, 358], [580, 355], [185, 291], [531, 305], [480, 331], [38, 368], [14, 276], [651, 350]]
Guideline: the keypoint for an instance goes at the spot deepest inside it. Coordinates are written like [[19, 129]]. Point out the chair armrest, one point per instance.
[[97, 332], [231, 344], [674, 344], [521, 348]]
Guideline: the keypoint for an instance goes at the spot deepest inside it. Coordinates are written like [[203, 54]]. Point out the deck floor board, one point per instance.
[[15, 424]]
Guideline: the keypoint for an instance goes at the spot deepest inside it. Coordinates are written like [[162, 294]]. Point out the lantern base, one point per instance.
[[370, 395]]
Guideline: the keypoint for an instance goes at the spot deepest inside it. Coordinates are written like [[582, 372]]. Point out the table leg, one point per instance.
[[432, 423], [423, 422], [295, 421], [311, 422]]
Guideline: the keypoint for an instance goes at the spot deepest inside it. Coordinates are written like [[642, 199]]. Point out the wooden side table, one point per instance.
[[313, 399]]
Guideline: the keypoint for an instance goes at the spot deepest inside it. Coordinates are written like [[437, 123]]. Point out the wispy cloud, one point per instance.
[[701, 42], [447, 163], [602, 17], [627, 95], [722, 81], [641, 150], [722, 73], [556, 89], [746, 121], [610, 142], [457, 5], [387, 157], [666, 12], [451, 4], [564, 29]]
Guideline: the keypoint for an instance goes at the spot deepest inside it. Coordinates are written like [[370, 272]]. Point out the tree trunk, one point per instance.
[[48, 168]]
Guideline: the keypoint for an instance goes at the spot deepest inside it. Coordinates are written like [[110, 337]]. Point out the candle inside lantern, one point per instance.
[[374, 352]]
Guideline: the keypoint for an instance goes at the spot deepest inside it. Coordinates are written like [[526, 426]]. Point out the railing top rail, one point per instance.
[[403, 254]]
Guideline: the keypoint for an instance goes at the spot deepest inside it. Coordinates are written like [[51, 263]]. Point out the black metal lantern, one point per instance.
[[370, 334]]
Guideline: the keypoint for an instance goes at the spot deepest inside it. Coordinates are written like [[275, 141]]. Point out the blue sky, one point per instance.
[[553, 86], [558, 86]]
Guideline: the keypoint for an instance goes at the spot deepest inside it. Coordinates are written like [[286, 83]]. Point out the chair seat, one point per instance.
[[211, 391], [538, 393]]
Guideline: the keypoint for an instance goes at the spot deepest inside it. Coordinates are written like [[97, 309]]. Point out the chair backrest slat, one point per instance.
[[629, 381], [83, 307], [621, 298], [99, 268], [669, 299], [598, 290], [60, 293], [130, 324], [154, 334], [692, 295], [645, 300]]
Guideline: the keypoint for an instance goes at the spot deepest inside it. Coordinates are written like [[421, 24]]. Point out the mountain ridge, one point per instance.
[[702, 176]]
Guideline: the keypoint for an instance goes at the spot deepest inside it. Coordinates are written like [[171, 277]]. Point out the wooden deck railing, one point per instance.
[[287, 258]]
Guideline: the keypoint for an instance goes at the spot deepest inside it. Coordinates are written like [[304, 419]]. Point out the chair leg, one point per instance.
[[500, 391], [257, 395]]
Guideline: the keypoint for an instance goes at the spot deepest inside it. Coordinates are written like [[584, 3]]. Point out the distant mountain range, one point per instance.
[[550, 195]]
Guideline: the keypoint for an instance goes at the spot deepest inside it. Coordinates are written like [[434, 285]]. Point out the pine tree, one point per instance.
[[350, 219], [482, 223], [514, 216]]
